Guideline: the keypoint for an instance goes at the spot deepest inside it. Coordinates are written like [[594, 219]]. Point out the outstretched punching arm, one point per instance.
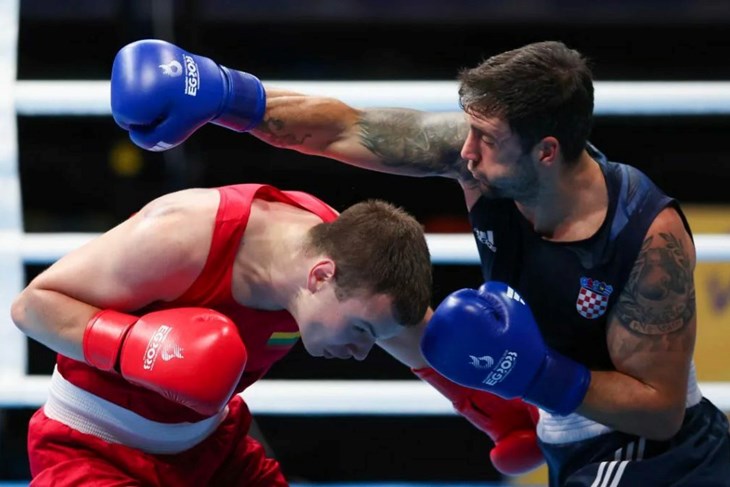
[[161, 94], [391, 140]]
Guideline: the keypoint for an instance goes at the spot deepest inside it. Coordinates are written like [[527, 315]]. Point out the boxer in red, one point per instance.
[[160, 321]]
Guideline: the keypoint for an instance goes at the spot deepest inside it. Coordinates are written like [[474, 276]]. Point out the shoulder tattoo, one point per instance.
[[659, 298]]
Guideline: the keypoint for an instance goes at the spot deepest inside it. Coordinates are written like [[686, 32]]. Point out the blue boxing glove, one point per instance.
[[162, 94], [488, 339]]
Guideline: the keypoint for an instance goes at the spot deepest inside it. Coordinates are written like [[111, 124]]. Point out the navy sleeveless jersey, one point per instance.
[[570, 286]]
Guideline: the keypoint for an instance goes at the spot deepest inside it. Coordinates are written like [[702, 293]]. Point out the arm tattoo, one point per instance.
[[660, 297], [403, 139], [273, 131]]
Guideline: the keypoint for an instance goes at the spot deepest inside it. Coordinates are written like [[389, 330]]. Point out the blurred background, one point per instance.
[[81, 174]]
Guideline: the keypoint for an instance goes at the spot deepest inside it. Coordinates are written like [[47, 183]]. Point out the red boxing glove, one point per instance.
[[193, 356], [509, 423]]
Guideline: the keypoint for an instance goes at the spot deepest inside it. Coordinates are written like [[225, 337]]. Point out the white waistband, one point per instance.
[[574, 427], [90, 414]]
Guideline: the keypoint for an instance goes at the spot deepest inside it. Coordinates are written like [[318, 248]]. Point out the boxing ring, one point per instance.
[[91, 98], [285, 397]]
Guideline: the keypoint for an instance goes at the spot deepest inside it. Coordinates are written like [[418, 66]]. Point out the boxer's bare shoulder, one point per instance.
[[175, 232], [192, 202]]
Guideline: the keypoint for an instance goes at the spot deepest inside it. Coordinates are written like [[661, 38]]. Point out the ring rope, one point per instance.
[[636, 98], [445, 248]]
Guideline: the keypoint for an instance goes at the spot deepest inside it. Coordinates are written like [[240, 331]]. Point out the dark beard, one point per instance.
[[524, 193]]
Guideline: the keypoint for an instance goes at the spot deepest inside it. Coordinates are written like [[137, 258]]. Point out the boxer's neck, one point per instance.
[[272, 265]]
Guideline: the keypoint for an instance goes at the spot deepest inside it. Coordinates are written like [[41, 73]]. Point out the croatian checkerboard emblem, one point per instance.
[[592, 298]]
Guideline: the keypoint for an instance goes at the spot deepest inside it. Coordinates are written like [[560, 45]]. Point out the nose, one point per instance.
[[469, 149], [361, 351]]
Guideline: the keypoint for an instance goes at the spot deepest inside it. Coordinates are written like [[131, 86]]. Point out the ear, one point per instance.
[[320, 274], [546, 151]]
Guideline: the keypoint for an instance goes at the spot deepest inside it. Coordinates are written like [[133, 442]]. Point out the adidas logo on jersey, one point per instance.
[[486, 238]]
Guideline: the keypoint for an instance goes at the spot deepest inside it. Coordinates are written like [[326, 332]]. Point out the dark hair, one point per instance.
[[541, 89], [379, 248]]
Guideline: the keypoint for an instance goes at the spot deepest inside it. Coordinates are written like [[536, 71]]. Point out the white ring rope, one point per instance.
[[326, 397], [81, 98], [445, 248], [612, 97]]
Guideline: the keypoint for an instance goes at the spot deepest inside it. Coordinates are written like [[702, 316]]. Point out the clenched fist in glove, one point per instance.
[[162, 94], [193, 356], [495, 322], [509, 423]]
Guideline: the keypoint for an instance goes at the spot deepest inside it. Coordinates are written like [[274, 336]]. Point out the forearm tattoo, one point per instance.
[[272, 130], [659, 298], [403, 140]]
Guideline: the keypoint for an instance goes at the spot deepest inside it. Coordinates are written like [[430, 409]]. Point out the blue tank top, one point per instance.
[[571, 286]]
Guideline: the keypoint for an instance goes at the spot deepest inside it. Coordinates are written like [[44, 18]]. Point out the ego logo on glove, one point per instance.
[[504, 367], [484, 362], [153, 347], [173, 69], [192, 76]]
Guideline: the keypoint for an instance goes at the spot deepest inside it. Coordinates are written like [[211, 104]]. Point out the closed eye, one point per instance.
[[488, 140], [368, 329]]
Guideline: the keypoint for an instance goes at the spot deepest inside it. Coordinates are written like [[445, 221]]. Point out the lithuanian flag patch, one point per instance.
[[283, 339]]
